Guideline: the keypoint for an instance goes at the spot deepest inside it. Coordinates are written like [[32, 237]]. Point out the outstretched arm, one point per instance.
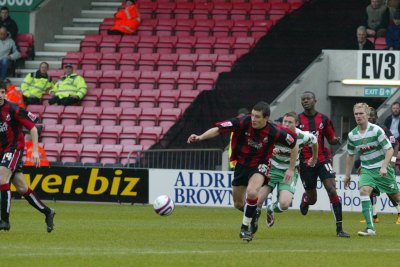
[[210, 133]]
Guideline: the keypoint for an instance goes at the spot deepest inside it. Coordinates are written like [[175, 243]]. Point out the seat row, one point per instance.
[[93, 153], [145, 80], [106, 116], [199, 27], [167, 44], [220, 10], [105, 135], [152, 61]]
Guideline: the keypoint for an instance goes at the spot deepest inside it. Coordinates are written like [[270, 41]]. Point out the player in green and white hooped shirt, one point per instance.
[[280, 162], [370, 141]]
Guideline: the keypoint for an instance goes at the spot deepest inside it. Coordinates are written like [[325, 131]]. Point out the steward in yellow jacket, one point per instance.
[[126, 20], [70, 89], [36, 84], [13, 94]]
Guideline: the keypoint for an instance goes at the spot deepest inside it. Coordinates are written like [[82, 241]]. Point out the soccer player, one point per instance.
[[280, 162], [321, 126], [12, 119], [375, 150], [253, 139], [373, 117]]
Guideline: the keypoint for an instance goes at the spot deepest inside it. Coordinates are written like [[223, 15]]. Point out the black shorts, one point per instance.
[[309, 175], [12, 160], [242, 174]]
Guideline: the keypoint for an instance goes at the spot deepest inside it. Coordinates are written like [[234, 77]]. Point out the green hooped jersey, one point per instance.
[[281, 160], [371, 145]]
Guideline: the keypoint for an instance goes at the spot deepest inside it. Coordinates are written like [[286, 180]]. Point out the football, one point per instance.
[[163, 205]]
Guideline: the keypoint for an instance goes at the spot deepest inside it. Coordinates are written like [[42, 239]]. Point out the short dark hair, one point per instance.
[[3, 85], [293, 115], [4, 8], [263, 107], [244, 111], [309, 92], [395, 103]]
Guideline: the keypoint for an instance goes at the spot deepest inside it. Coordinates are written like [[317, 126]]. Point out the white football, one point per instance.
[[163, 205]]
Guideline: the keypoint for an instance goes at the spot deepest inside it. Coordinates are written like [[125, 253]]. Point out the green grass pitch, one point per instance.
[[91, 234]]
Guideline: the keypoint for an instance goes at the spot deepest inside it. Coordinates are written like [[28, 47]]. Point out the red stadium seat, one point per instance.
[[90, 43], [149, 98], [129, 43], [129, 79], [148, 62], [149, 116], [185, 27], [147, 44], [222, 28], [91, 134], [153, 133], [51, 133], [110, 154], [225, 62], [203, 27], [224, 45], [130, 135], [186, 62], [205, 45], [110, 79], [206, 62], [129, 98], [148, 80], [106, 25], [129, 61], [92, 78], [167, 62], [109, 43], [71, 115], [90, 115], [110, 134], [188, 96], [71, 134], [259, 11], [52, 114], [240, 11], [183, 10], [38, 110], [202, 10], [167, 44], [147, 10], [130, 116], [206, 80], [170, 114], [187, 80], [165, 10], [110, 116], [92, 97], [53, 151], [168, 80], [110, 61], [186, 44], [222, 11], [71, 152], [91, 61], [243, 45], [74, 58], [148, 27], [110, 97], [242, 28], [169, 98], [90, 153], [56, 74]]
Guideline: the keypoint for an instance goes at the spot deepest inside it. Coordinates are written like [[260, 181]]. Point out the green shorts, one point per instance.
[[372, 178], [276, 175]]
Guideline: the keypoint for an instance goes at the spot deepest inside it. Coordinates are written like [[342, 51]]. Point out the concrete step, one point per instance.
[[98, 13], [57, 47], [69, 39], [17, 80], [87, 22], [102, 5], [32, 64], [80, 30], [49, 55]]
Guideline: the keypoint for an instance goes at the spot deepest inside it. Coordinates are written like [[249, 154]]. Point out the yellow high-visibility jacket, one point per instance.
[[72, 85], [34, 86]]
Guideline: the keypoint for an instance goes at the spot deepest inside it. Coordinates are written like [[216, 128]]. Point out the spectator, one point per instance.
[[8, 22], [13, 94], [8, 51], [393, 33], [393, 5], [70, 89], [392, 121], [362, 41], [127, 20], [36, 84], [377, 19]]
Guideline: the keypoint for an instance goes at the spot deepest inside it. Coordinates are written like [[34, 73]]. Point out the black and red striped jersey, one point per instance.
[[321, 126], [12, 120], [251, 147]]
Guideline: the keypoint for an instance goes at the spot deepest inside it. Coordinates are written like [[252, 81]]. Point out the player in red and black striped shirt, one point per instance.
[[12, 120], [321, 126], [253, 140]]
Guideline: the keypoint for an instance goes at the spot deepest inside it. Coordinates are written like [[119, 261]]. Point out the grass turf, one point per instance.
[[91, 234]]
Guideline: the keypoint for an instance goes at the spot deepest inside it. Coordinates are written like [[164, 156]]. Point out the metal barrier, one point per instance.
[[190, 159]]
